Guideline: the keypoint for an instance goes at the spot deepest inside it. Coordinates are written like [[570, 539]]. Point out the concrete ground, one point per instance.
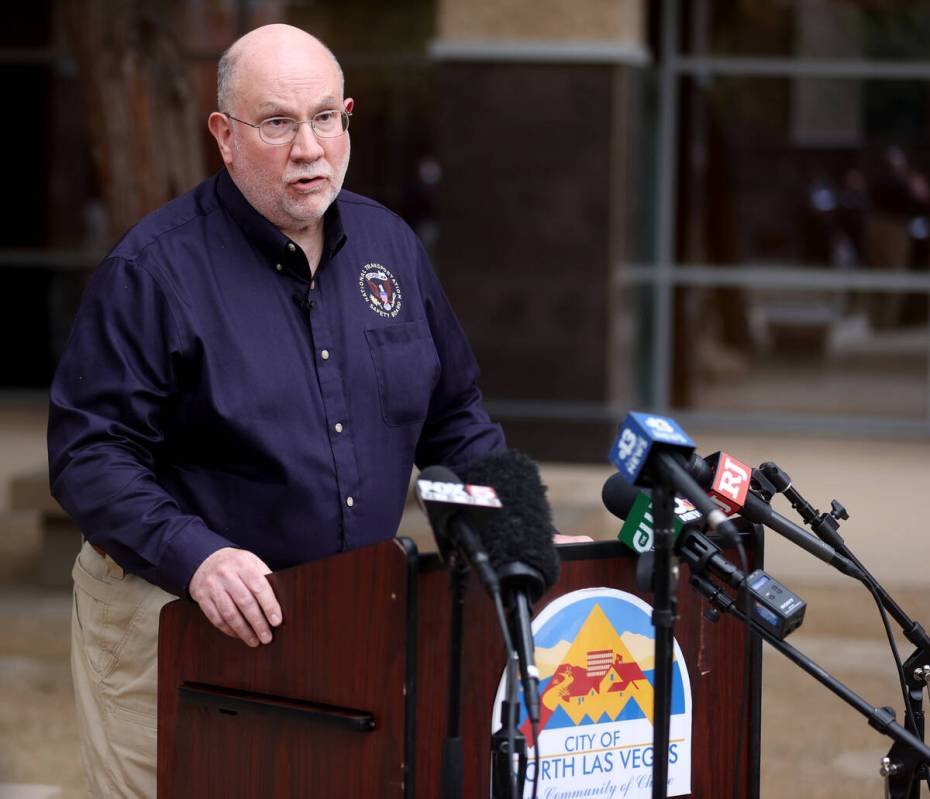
[[813, 746]]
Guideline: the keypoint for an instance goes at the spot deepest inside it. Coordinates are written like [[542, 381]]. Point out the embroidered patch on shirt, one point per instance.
[[380, 290]]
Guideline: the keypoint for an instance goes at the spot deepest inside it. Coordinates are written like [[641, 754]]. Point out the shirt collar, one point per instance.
[[278, 250]]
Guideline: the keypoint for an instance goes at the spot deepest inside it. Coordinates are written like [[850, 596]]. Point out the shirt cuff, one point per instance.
[[184, 554]]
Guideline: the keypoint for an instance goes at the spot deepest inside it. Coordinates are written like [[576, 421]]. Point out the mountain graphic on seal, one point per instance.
[[597, 679]]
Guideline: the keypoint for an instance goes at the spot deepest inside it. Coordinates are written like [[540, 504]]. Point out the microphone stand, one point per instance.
[[502, 757], [881, 718], [452, 748], [663, 620], [508, 741], [902, 772]]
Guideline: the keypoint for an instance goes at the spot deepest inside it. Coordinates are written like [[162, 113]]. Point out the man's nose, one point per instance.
[[306, 146]]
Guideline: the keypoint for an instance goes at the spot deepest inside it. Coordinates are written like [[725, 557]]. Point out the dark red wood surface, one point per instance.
[[714, 653], [342, 644]]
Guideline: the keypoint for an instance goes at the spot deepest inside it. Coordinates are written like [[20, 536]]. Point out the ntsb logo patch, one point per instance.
[[380, 290]]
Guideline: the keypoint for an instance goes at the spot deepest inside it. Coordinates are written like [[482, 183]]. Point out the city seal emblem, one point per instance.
[[380, 290], [595, 651]]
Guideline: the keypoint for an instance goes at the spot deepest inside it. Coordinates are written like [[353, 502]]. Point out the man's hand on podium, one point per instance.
[[558, 538], [233, 593]]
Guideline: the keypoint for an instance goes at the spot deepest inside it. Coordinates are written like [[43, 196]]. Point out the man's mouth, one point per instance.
[[307, 182]]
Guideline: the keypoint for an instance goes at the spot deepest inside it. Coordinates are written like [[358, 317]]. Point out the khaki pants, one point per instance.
[[114, 653]]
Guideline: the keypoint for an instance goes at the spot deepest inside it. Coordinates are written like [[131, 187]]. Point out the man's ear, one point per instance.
[[220, 127], [349, 104]]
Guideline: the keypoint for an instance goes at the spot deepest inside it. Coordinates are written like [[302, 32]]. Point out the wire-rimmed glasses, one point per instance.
[[327, 124]]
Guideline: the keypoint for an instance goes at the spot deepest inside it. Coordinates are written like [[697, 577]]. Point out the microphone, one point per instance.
[[518, 541], [652, 450], [729, 486], [638, 522], [634, 506], [775, 606], [447, 503], [707, 473]]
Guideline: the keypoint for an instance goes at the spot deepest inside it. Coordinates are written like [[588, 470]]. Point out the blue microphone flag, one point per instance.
[[639, 434]]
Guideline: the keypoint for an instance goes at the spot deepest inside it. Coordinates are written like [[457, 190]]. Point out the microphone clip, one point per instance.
[[515, 576], [761, 484]]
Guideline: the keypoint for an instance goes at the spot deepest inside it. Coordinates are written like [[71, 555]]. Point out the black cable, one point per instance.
[[744, 699], [511, 693], [909, 714], [872, 585], [811, 517], [534, 728]]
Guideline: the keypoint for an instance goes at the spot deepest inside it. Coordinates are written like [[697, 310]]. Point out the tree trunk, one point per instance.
[[140, 105]]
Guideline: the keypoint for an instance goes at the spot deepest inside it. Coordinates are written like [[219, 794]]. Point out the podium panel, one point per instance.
[[714, 652], [350, 699], [321, 711]]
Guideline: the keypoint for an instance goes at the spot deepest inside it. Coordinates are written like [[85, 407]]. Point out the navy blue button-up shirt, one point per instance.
[[211, 395]]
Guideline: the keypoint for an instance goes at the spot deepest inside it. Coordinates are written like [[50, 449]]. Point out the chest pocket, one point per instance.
[[407, 369]]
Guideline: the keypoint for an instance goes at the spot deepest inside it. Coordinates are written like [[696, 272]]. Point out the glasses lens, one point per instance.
[[278, 130], [330, 123]]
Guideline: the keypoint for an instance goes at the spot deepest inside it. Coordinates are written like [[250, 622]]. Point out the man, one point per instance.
[[254, 370]]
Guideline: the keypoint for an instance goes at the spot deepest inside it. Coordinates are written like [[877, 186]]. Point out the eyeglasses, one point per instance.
[[283, 130]]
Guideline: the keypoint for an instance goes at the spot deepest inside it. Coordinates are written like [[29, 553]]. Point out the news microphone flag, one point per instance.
[[731, 482], [639, 435], [450, 506], [457, 494], [638, 525]]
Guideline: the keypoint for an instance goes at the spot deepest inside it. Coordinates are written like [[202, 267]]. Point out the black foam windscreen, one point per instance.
[[522, 531], [618, 495]]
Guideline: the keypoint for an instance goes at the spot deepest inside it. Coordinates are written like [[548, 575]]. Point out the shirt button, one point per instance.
[[325, 355], [338, 427], [278, 267], [350, 502], [290, 246]]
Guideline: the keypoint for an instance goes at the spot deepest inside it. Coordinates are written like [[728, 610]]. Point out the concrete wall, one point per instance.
[[623, 20], [538, 138]]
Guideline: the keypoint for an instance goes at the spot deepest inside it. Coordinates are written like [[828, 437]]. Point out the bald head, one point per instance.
[[280, 77], [258, 49]]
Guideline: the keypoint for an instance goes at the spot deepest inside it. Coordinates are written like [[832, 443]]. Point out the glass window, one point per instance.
[[807, 28], [802, 352], [813, 172]]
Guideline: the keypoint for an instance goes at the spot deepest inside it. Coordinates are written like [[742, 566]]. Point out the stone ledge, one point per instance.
[[30, 492], [21, 538]]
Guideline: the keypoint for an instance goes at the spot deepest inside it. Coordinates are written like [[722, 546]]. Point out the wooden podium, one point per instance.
[[350, 699]]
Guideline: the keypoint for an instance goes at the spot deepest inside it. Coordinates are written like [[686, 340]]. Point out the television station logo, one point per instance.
[[595, 651], [638, 433], [732, 479]]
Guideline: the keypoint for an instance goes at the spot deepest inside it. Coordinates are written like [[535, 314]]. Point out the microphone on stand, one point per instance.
[[519, 543], [653, 451], [773, 605], [450, 507], [728, 483]]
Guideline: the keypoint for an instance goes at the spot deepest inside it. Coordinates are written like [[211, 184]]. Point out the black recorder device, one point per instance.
[[774, 606]]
